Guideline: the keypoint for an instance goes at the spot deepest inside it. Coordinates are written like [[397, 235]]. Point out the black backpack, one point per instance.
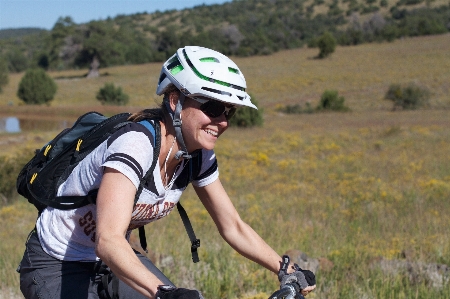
[[40, 178]]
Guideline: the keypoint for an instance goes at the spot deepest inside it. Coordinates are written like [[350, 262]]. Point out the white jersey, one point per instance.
[[70, 234]]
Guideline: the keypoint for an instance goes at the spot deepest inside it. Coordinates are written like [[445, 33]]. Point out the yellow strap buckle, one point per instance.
[[79, 144], [47, 149]]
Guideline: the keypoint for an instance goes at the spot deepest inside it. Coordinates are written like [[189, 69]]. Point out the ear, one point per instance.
[[173, 99]]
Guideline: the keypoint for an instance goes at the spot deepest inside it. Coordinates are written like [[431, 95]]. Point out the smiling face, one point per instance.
[[200, 131]]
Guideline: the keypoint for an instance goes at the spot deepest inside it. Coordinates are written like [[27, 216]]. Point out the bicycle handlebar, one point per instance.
[[286, 292]]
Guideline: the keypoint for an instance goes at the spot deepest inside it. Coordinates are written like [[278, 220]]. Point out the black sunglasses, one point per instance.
[[215, 109]]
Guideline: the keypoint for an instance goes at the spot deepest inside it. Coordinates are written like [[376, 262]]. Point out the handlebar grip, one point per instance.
[[286, 292]]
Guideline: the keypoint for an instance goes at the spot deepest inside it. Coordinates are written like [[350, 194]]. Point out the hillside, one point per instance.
[[361, 73], [19, 32], [240, 28]]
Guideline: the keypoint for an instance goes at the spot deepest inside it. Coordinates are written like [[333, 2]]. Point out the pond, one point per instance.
[[10, 125], [14, 124]]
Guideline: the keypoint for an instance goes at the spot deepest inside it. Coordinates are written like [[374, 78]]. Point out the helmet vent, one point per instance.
[[209, 59], [216, 91], [234, 71], [175, 66]]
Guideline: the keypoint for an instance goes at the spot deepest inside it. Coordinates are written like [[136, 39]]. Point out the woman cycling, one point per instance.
[[84, 252]]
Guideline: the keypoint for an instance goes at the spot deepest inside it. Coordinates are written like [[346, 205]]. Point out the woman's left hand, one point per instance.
[[305, 279]]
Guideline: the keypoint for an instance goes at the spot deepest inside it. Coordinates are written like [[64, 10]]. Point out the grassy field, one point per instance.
[[352, 188]]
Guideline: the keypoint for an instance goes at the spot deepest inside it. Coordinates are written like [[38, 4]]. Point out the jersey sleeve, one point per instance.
[[130, 151], [209, 171]]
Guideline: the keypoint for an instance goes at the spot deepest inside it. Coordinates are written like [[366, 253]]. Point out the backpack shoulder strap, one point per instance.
[[194, 166], [155, 129], [195, 243]]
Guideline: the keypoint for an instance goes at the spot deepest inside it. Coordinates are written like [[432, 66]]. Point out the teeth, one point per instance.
[[211, 132]]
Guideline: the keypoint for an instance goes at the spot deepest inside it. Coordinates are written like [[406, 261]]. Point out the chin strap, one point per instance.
[[176, 121]]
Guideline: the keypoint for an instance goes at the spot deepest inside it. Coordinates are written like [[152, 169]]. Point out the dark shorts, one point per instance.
[[42, 276]]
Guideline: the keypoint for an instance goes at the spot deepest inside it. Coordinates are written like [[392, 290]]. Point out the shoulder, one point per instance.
[[206, 157], [205, 168]]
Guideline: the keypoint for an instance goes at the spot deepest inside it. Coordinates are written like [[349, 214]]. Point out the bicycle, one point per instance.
[[288, 291]]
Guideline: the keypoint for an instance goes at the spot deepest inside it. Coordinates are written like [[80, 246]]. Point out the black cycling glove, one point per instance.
[[171, 292], [302, 278]]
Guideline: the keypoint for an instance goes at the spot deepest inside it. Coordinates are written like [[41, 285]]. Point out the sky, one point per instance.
[[44, 13]]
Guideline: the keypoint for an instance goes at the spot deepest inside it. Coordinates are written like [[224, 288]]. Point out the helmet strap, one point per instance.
[[176, 121]]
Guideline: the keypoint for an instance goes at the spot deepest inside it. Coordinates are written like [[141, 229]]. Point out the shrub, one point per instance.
[[36, 87], [330, 100], [296, 109], [110, 95], [410, 96], [247, 117], [10, 167], [326, 44], [291, 109]]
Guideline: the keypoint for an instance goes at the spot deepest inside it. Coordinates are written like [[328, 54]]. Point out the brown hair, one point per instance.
[[153, 113], [147, 114]]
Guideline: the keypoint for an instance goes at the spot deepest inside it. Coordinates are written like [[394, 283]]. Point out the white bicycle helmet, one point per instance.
[[201, 72], [198, 71]]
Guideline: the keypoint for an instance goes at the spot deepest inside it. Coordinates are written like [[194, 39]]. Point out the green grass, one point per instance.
[[348, 187]]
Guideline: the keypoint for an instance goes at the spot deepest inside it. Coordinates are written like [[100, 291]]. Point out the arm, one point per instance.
[[236, 232], [115, 202]]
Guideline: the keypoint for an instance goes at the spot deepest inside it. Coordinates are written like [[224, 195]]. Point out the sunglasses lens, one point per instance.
[[215, 109], [230, 113], [212, 108]]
